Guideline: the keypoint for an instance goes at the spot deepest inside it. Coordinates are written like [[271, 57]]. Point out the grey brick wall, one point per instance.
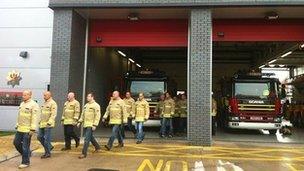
[[172, 3], [199, 77], [67, 59]]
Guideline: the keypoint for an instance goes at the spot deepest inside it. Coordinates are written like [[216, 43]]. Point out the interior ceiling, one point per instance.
[[251, 53], [182, 13]]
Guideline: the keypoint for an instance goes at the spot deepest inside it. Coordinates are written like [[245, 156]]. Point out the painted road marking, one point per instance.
[[194, 152], [221, 166], [146, 163]]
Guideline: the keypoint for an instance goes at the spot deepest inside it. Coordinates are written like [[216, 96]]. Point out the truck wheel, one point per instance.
[[272, 132]]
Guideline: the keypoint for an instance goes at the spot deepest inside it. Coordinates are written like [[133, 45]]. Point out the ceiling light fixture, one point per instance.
[[122, 54], [262, 66], [286, 54], [138, 65], [131, 60], [273, 61]]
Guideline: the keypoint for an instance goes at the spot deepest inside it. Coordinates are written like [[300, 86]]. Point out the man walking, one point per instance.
[[129, 104], [115, 110], [90, 118], [47, 122], [71, 111], [141, 114], [26, 126]]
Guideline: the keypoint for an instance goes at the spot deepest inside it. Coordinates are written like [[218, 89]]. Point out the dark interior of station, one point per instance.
[[107, 68]]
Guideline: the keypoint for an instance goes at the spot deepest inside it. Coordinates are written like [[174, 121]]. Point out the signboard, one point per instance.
[[10, 98]]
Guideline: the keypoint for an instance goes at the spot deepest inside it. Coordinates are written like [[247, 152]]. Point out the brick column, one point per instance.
[[199, 77], [67, 60]]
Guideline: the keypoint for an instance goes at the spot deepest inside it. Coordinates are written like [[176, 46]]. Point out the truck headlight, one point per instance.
[[234, 118], [277, 120]]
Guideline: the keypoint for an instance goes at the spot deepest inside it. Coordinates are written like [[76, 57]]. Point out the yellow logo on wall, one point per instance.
[[13, 78]]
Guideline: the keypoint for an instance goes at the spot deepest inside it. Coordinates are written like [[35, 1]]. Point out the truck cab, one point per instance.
[[254, 103], [152, 83]]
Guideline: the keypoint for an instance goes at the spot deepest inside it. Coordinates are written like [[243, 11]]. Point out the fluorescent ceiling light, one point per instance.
[[281, 66], [271, 66], [131, 60], [302, 46], [138, 65], [262, 66], [286, 54], [120, 52], [273, 61]]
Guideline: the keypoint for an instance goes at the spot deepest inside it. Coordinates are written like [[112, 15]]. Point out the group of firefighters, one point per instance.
[[119, 112]]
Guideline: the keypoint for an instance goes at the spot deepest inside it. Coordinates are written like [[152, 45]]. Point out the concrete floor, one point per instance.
[[171, 155], [232, 150]]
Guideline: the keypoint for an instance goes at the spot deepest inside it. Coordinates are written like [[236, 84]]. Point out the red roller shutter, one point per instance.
[[142, 33]]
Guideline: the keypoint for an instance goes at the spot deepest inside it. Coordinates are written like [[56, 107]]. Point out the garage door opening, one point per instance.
[[152, 71], [248, 82]]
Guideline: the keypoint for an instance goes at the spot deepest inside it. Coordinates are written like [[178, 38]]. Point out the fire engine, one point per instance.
[[152, 83], [253, 102]]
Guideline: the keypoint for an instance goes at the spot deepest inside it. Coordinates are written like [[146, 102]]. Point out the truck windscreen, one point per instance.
[[149, 88], [253, 90]]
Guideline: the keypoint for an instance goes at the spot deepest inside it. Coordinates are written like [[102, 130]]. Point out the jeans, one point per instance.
[[183, 124], [167, 123], [130, 126], [139, 131], [89, 137], [116, 133], [44, 136], [69, 134], [22, 143]]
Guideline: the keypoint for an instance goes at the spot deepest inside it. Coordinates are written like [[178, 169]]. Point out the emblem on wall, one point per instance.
[[13, 78]]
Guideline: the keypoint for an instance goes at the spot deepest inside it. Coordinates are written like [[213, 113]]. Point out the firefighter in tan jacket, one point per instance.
[[116, 110], [70, 116], [182, 111], [47, 122], [90, 118], [168, 112], [26, 126], [129, 104], [141, 114]]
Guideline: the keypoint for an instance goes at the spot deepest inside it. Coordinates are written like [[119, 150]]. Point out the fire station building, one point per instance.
[[251, 32]]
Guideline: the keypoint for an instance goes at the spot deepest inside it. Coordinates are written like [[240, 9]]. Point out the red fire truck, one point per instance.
[[253, 102]]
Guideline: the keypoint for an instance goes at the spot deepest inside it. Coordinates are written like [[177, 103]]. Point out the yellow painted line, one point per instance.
[[291, 167], [193, 156]]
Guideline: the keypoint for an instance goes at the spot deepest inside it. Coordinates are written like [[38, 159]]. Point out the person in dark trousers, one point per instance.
[[90, 118], [167, 113], [70, 116], [26, 126]]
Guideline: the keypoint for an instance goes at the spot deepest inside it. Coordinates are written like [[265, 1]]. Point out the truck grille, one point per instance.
[[256, 107]]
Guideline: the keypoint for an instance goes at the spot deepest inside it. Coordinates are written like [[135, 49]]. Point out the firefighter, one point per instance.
[[182, 111], [116, 111], [159, 109], [129, 104], [141, 114], [90, 118], [26, 127], [168, 112], [213, 114], [175, 117], [47, 122], [70, 116]]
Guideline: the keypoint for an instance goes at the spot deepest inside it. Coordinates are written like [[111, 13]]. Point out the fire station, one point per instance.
[[197, 43]]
